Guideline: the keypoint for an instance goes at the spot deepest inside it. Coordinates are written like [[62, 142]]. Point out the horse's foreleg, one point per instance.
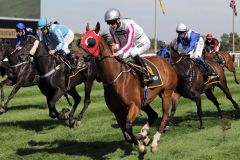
[[52, 98], [152, 116], [13, 92], [175, 102], [199, 111], [166, 102], [132, 114], [73, 92], [4, 82], [212, 98], [67, 98], [87, 101]]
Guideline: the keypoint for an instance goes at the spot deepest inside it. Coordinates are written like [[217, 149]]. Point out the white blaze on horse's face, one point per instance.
[[34, 48]]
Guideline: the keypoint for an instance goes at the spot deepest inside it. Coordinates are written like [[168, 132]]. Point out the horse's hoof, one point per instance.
[[62, 116], [71, 123], [78, 123], [154, 148], [65, 110], [139, 136], [141, 148], [146, 140], [201, 127], [167, 128], [2, 110]]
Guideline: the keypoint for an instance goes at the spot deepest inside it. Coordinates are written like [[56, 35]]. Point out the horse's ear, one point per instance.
[[97, 28], [34, 31], [172, 48], [87, 27]]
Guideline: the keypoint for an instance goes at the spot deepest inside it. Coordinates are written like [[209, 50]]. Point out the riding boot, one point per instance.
[[145, 76], [70, 62], [207, 71], [220, 58]]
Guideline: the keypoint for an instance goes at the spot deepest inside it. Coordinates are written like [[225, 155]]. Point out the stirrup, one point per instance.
[[214, 77]]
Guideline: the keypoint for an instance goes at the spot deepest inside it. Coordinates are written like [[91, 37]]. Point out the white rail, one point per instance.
[[237, 57]]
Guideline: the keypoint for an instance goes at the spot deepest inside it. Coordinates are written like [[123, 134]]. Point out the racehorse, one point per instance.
[[123, 91], [192, 83], [21, 73], [55, 81], [229, 61]]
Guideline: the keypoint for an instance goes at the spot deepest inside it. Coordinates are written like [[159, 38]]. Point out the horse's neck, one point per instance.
[[13, 59], [44, 61]]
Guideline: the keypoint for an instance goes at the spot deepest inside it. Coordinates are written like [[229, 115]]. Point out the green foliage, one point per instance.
[[159, 43], [26, 131], [227, 42]]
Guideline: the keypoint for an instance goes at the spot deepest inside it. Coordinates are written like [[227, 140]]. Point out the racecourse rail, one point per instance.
[[237, 56]]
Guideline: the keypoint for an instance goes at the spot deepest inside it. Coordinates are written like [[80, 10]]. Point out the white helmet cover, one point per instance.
[[181, 28]]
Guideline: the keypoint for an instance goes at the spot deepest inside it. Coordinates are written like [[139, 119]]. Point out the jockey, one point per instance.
[[129, 38], [194, 46], [22, 33], [213, 44], [57, 38]]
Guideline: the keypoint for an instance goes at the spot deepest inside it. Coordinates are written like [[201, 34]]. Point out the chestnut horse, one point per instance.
[[123, 91], [229, 61], [192, 83]]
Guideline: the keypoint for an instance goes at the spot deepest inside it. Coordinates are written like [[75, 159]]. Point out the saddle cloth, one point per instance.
[[156, 77]]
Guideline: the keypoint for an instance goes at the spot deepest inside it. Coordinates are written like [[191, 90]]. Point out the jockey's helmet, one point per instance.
[[43, 22], [209, 36], [112, 14], [181, 28], [20, 26]]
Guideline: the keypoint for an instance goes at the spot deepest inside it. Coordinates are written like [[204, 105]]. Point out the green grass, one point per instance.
[[26, 131]]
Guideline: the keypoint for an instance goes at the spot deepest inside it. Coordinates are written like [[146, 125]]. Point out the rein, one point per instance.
[[126, 71], [19, 64], [174, 63]]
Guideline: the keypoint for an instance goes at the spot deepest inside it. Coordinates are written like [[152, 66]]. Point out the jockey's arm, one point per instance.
[[60, 40], [130, 39], [194, 38]]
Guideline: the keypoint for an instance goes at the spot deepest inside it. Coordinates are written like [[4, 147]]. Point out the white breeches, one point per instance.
[[139, 47], [68, 40]]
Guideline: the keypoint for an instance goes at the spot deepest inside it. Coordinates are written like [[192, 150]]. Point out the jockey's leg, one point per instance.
[[144, 75], [207, 71]]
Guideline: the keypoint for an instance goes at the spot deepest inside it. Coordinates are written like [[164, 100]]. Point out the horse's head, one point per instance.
[[92, 44], [5, 49], [30, 46], [175, 55]]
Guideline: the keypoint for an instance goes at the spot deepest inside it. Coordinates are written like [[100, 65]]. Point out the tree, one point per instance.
[[226, 42]]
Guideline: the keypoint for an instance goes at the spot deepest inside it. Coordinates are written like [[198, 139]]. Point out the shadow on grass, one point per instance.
[[23, 107], [189, 116], [95, 150], [35, 125]]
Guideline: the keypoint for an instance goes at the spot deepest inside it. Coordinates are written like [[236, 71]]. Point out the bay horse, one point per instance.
[[192, 84], [55, 79], [229, 61], [20, 73], [123, 91]]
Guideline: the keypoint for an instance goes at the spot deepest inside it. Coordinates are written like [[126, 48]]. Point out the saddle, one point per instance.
[[75, 66], [207, 79], [150, 70]]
